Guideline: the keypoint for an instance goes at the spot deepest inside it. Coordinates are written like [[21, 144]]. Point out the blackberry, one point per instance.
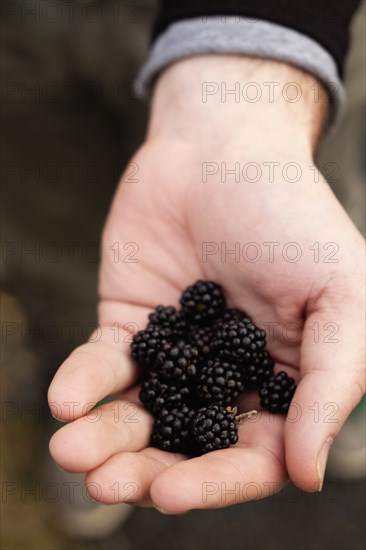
[[176, 363], [220, 383], [276, 392], [156, 395], [171, 431], [239, 341], [203, 301], [259, 368], [231, 315], [147, 343], [201, 339], [214, 428], [169, 319], [197, 362]]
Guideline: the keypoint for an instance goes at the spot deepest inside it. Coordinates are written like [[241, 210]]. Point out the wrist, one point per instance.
[[214, 100]]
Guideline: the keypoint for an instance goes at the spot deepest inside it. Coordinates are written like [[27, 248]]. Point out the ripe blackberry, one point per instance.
[[169, 319], [176, 363], [229, 315], [220, 383], [147, 343], [258, 368], [214, 428], [201, 339], [276, 392], [203, 301], [238, 341], [156, 395], [171, 431]]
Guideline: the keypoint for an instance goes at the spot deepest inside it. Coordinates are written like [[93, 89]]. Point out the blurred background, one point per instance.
[[70, 123]]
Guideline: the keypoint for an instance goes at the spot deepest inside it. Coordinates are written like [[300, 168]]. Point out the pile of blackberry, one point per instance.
[[195, 363]]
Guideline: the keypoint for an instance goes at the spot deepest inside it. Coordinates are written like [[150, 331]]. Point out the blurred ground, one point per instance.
[[64, 152]]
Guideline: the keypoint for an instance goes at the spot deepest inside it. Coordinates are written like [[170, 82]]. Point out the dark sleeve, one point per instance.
[[326, 21]]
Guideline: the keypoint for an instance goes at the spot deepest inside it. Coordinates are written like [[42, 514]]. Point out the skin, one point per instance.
[[169, 213]]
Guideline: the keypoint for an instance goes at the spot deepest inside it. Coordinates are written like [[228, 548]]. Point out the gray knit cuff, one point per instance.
[[233, 34]]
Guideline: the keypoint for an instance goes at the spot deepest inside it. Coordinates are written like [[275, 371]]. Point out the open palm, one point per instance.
[[266, 244]]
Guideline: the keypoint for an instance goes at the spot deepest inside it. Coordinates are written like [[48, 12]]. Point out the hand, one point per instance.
[[314, 304]]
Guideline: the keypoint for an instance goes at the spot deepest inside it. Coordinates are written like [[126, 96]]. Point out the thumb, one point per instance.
[[332, 383]]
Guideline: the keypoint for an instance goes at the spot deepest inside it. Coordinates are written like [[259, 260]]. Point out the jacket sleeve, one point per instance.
[[325, 21], [312, 35]]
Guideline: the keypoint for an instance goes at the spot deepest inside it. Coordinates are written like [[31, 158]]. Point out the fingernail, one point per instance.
[[322, 461], [163, 511]]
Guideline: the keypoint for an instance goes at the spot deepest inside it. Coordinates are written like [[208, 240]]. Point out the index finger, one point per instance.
[[98, 368]]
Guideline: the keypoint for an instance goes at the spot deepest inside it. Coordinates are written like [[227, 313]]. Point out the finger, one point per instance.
[[332, 369], [96, 369], [131, 395], [89, 441], [127, 477], [252, 469]]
